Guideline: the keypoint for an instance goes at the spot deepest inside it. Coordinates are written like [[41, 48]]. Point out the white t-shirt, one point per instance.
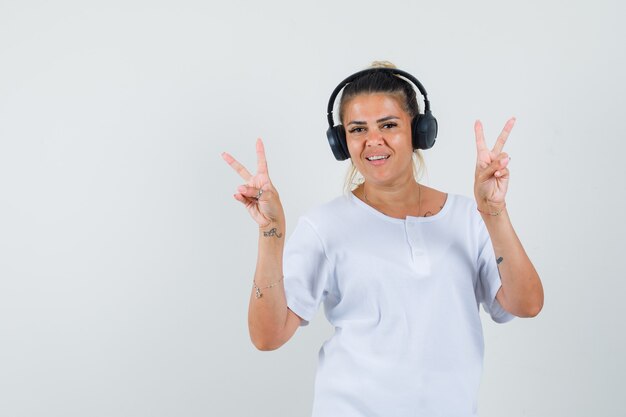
[[403, 296]]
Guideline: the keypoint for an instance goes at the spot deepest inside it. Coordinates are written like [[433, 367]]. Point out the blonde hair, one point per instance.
[[382, 64], [404, 92]]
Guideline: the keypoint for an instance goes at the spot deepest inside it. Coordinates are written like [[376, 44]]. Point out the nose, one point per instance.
[[375, 138]]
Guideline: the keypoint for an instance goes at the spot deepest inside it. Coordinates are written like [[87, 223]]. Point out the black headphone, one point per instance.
[[423, 126]]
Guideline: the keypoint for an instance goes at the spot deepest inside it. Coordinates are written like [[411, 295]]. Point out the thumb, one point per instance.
[[490, 169]]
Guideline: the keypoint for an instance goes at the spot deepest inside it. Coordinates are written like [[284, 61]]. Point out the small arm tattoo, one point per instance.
[[272, 232], [498, 262]]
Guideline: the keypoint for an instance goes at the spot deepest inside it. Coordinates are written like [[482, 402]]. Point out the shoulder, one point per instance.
[[334, 219], [466, 217], [460, 212], [450, 202], [331, 211], [462, 202]]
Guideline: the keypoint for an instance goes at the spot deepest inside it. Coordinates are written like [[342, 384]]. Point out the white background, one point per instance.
[[126, 266]]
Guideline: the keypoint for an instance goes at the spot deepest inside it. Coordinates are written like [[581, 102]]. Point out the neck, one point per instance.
[[399, 196]]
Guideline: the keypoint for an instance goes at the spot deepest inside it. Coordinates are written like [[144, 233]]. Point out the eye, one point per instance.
[[389, 125], [357, 129]]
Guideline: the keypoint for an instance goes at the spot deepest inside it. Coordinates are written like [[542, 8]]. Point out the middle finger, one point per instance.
[[497, 148]]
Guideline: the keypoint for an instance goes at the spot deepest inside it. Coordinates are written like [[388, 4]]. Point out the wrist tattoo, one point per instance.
[[499, 260], [272, 232]]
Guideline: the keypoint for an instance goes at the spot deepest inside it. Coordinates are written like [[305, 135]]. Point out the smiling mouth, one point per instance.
[[377, 157]]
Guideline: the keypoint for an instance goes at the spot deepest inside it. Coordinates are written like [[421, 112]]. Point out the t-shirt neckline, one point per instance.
[[409, 219]]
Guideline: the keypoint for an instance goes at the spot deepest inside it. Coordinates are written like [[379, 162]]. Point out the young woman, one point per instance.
[[400, 267]]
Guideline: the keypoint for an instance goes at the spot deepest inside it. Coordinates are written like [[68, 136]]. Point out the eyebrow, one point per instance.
[[384, 119]]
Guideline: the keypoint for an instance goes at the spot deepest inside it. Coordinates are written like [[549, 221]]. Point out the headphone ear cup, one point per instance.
[[337, 140], [424, 130]]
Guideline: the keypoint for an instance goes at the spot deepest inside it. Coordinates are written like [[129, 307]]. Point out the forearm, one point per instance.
[[521, 293], [267, 313]]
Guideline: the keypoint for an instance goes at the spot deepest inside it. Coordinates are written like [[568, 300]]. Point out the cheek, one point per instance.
[[405, 142], [354, 147]]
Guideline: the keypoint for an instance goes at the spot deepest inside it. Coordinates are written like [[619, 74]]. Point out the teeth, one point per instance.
[[377, 157]]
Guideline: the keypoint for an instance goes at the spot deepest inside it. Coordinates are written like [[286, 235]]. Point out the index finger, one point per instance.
[[483, 158], [480, 137], [497, 148], [260, 156], [241, 170]]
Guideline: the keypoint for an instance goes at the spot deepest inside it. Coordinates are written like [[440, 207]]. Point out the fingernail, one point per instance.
[[241, 189]]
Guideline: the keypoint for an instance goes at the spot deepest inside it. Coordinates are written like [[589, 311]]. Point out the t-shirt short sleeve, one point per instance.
[[489, 279], [306, 270]]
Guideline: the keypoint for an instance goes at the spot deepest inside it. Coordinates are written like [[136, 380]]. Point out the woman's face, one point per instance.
[[378, 134]]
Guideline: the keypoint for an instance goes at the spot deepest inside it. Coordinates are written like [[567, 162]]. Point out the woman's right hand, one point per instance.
[[258, 194]]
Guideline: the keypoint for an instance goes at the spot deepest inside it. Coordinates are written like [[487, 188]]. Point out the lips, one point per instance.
[[372, 158]]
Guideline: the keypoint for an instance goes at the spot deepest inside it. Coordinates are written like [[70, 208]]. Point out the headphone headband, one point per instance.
[[394, 71]]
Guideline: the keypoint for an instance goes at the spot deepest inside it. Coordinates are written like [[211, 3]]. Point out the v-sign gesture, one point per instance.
[[491, 179], [257, 194]]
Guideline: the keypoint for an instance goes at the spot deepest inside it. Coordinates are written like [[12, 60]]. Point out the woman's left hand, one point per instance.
[[491, 179]]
